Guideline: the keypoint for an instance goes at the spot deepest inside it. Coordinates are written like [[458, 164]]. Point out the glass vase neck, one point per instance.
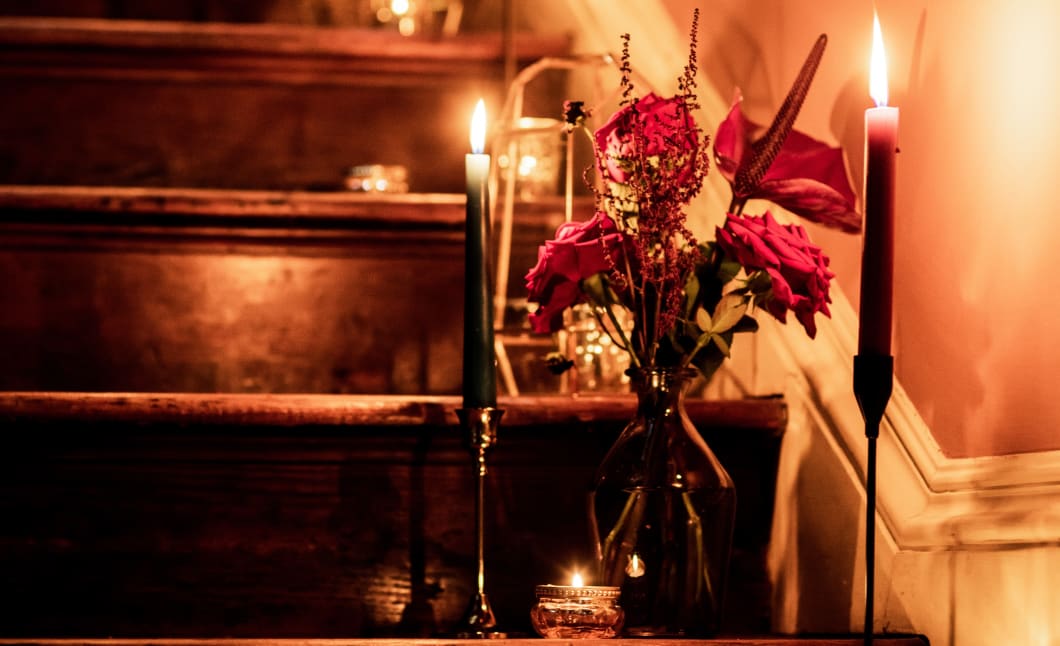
[[661, 389]]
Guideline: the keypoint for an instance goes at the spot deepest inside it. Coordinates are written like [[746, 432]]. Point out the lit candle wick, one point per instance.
[[635, 567], [576, 580]]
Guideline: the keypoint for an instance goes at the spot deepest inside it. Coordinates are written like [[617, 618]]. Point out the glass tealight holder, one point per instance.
[[577, 612]]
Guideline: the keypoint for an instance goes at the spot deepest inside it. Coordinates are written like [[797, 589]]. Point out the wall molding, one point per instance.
[[926, 500]]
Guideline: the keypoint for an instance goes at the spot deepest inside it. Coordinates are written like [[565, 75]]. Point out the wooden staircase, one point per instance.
[[183, 515], [229, 385]]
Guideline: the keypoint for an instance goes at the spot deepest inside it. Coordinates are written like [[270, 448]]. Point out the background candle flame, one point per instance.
[[635, 567], [878, 65], [478, 128], [576, 580]]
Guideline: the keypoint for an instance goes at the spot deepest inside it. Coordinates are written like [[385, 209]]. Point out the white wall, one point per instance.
[[978, 87]]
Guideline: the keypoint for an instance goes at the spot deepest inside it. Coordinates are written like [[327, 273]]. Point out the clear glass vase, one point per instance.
[[661, 513]]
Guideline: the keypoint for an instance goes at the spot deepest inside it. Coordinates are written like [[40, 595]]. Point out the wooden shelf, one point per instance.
[[269, 106], [134, 205], [761, 416], [728, 641], [113, 213], [184, 51]]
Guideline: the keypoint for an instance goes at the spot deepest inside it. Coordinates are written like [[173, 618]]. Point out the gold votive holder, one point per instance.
[[377, 178], [577, 612]]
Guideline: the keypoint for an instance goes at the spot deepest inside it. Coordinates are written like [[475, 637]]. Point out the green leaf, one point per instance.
[[728, 313], [759, 282], [691, 293], [703, 320], [746, 324], [598, 289], [722, 344], [728, 269], [709, 358]]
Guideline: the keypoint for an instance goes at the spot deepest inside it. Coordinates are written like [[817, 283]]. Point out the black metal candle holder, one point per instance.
[[481, 424], [873, 382]]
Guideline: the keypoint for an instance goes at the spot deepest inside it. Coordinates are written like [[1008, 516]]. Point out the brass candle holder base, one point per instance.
[[481, 424], [478, 621]]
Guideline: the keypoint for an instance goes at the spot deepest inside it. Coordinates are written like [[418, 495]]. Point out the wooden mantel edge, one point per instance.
[[130, 204], [282, 410], [218, 202], [912, 640]]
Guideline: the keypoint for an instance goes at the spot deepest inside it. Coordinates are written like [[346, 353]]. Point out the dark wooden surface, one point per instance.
[[208, 290], [765, 417], [883, 640], [253, 106], [329, 516]]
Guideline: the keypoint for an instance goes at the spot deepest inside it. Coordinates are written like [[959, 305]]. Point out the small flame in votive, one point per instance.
[[478, 128], [878, 65], [635, 567], [576, 580]]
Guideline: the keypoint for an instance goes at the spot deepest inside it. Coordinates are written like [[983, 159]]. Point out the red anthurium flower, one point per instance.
[[807, 177]]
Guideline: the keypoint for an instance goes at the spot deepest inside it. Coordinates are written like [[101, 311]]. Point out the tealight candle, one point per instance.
[[577, 611]]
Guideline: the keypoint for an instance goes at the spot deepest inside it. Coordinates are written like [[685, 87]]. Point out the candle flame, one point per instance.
[[576, 580], [878, 65], [478, 128], [635, 566]]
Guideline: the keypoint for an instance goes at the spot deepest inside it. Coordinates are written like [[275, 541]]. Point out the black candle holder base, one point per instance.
[[873, 382]]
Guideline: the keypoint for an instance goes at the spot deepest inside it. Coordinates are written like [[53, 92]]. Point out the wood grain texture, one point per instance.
[[185, 515], [213, 290], [764, 416], [882, 640], [217, 47], [251, 106]]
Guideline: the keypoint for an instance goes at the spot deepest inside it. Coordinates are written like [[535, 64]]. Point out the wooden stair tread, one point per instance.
[[725, 641], [767, 415]]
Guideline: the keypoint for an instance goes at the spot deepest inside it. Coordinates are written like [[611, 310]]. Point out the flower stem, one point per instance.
[[736, 205], [623, 341]]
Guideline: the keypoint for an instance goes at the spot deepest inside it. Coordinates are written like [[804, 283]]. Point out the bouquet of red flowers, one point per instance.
[[688, 297]]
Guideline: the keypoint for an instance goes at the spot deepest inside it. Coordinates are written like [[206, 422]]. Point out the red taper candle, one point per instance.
[[877, 256]]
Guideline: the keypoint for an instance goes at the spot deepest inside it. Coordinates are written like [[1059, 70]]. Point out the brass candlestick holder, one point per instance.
[[481, 425]]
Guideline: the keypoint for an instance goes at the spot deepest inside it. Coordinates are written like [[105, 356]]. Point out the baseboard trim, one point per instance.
[[926, 500]]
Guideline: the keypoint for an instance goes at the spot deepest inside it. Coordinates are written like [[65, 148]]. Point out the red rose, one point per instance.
[[579, 250], [798, 268], [650, 127]]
